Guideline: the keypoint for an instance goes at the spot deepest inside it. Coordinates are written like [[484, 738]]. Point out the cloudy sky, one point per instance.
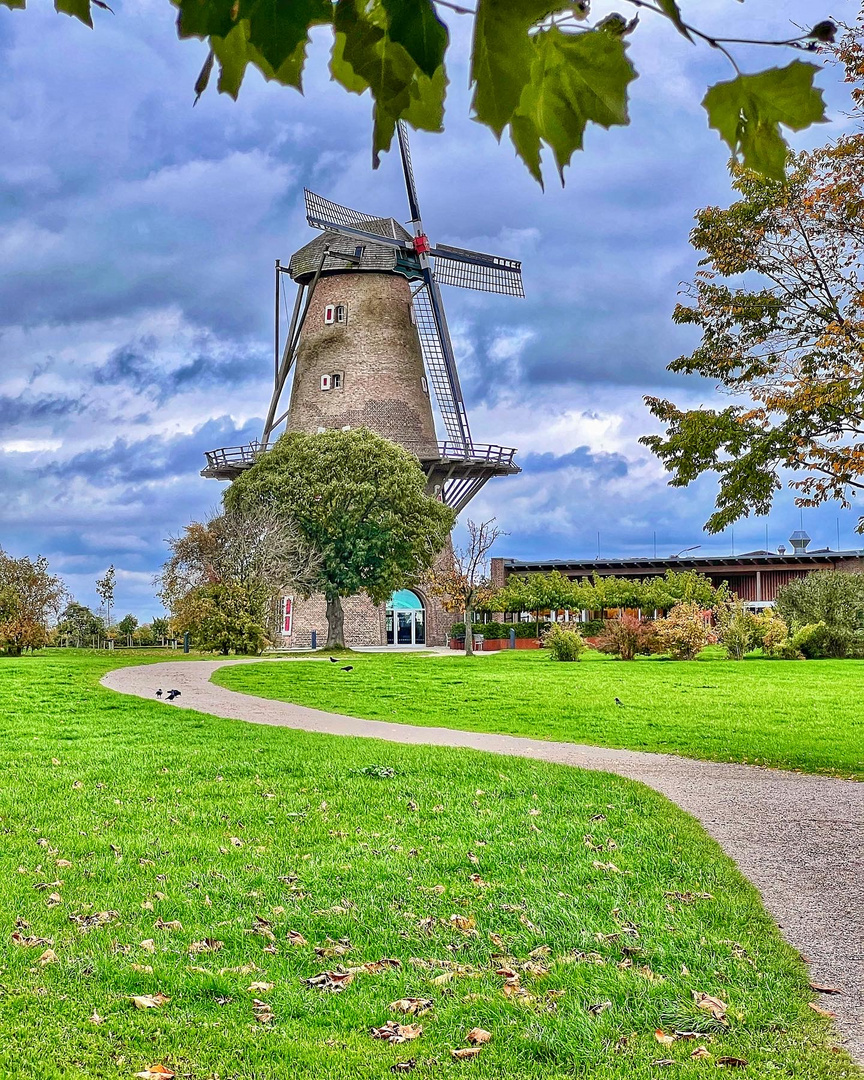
[[137, 242]]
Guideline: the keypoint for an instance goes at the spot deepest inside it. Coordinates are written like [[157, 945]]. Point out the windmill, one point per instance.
[[367, 336]]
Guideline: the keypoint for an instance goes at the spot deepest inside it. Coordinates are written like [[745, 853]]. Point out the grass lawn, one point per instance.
[[156, 851], [790, 714]]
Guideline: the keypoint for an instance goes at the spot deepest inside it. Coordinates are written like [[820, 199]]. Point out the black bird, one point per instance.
[[159, 693], [333, 660], [172, 694], [349, 668], [619, 703]]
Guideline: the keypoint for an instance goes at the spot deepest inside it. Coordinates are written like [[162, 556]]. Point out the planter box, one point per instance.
[[497, 644]]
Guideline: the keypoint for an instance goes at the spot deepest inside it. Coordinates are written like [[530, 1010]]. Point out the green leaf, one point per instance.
[[749, 110], [341, 70], [14, 4], [214, 18], [78, 9], [526, 139], [502, 55], [575, 78], [414, 25], [672, 12], [276, 28], [232, 52]]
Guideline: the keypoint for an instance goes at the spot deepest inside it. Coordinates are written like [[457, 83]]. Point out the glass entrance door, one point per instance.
[[405, 619]]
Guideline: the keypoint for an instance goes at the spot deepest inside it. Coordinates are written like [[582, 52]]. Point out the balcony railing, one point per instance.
[[244, 457]]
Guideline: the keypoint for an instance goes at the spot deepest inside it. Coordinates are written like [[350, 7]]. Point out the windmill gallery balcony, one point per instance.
[[458, 472]]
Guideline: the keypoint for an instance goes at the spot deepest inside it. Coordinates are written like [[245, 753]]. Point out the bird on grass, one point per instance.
[[619, 703], [159, 692], [333, 660], [172, 694], [349, 668]]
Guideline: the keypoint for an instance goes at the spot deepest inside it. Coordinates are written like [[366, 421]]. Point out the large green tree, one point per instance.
[[780, 306], [542, 70], [359, 503], [30, 600]]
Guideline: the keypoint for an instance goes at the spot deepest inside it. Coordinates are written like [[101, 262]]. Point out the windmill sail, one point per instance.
[[408, 170], [445, 380], [321, 213], [474, 270]]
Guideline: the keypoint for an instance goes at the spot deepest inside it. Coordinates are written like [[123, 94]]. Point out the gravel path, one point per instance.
[[798, 838]]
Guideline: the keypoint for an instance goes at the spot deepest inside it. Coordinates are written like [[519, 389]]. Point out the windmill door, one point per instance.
[[406, 619]]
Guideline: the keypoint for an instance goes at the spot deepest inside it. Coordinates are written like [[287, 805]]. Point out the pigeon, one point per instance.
[[172, 694], [333, 660], [159, 693], [619, 703], [349, 668]]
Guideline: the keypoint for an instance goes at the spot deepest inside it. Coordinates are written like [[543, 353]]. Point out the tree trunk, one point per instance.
[[335, 623], [469, 633]]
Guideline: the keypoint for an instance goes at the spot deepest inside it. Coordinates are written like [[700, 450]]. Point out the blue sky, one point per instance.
[[138, 236]]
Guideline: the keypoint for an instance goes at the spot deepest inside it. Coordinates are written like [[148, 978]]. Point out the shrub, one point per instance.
[[684, 632], [816, 641], [628, 636], [494, 631], [737, 629], [563, 643], [832, 598], [773, 633]]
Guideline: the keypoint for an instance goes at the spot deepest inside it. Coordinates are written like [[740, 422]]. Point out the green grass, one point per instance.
[[144, 800], [788, 714]]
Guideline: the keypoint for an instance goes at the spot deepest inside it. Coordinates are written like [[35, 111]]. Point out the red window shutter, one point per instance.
[[287, 613]]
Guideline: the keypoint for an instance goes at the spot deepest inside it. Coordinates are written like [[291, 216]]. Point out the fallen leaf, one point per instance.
[[148, 946], [412, 1006], [54, 900], [700, 1052], [663, 1062], [142, 969], [246, 969], [150, 1001], [63, 864], [825, 989], [820, 1011], [295, 938], [30, 941], [94, 921], [403, 1066], [477, 1036], [733, 1062], [48, 957], [465, 923], [663, 1038], [173, 924], [205, 945], [599, 1007], [77, 785], [394, 1032], [334, 981], [155, 1072], [715, 1006], [466, 1053], [97, 1019], [259, 987]]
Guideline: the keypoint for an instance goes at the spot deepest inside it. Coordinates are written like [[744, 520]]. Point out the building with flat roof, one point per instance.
[[754, 577]]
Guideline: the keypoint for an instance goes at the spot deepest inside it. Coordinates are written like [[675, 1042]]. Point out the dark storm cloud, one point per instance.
[[137, 367], [581, 458], [29, 407]]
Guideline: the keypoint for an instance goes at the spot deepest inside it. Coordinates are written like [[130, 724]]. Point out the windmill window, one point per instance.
[[424, 384], [341, 313], [329, 314], [336, 380], [326, 382]]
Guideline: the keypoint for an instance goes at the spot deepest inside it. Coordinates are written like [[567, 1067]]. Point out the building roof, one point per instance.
[[305, 262], [752, 559]]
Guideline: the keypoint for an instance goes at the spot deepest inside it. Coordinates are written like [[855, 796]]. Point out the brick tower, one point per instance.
[[367, 338]]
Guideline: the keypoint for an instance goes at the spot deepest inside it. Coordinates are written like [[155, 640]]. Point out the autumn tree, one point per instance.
[[105, 591], [31, 598], [780, 308], [359, 504], [465, 585], [684, 632], [223, 579], [543, 71]]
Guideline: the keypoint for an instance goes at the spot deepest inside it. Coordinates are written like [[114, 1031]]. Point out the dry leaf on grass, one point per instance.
[[825, 989], [150, 1001], [205, 945], [663, 1062], [172, 924], [246, 969], [262, 1011], [155, 1072], [259, 987], [700, 1052], [148, 946], [48, 957], [820, 1011], [394, 1032], [466, 1053], [465, 923], [95, 921], [295, 938], [715, 1006], [412, 1006], [733, 1062], [54, 900], [662, 1038], [63, 864], [477, 1036], [599, 1007], [30, 941], [142, 969], [375, 967], [96, 1018], [334, 981], [403, 1066]]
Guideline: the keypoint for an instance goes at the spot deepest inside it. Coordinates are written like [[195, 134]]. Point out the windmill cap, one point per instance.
[[362, 254]]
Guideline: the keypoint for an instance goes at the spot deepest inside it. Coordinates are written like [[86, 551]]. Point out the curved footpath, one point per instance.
[[798, 838]]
